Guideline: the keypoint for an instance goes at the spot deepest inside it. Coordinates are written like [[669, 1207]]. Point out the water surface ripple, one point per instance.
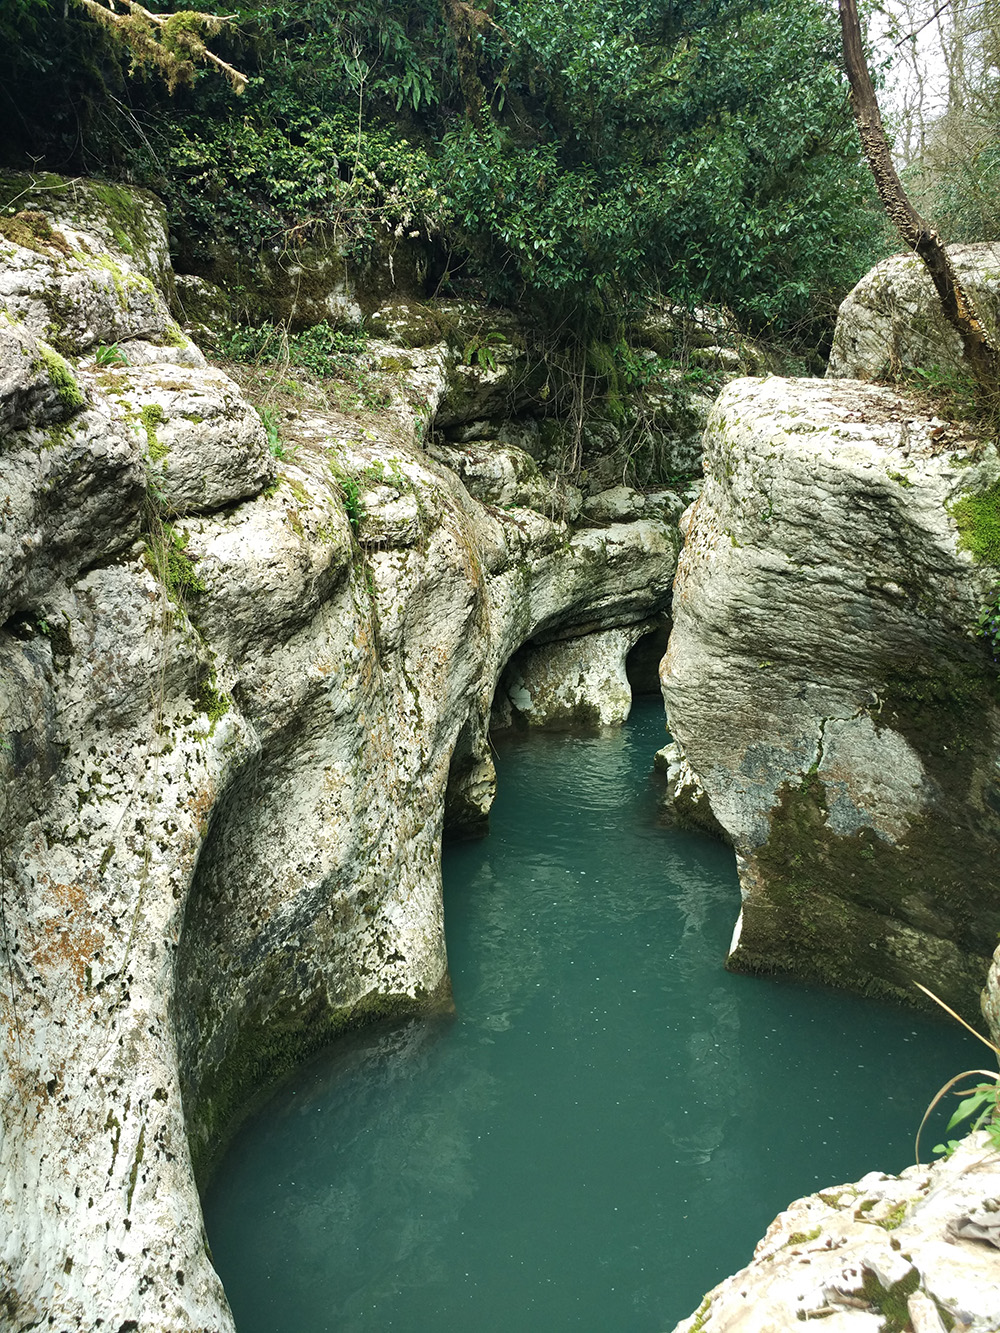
[[609, 1124]]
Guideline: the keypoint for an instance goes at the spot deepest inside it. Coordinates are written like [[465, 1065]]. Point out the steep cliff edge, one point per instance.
[[825, 683], [836, 716], [235, 695]]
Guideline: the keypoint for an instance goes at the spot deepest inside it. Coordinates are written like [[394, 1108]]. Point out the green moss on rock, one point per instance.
[[978, 519], [861, 912], [62, 377]]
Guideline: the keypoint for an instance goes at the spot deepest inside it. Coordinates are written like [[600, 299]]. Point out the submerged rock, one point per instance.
[[829, 694]]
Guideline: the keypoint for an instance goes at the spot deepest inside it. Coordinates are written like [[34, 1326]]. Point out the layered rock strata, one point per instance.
[[827, 690], [236, 695]]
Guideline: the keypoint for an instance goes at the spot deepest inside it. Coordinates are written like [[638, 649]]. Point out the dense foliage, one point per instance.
[[575, 155]]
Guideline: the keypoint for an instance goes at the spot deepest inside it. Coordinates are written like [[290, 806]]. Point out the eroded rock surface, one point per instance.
[[236, 697], [828, 692], [891, 322], [887, 1252]]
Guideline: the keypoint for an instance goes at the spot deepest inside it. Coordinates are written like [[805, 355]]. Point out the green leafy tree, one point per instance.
[[579, 157]]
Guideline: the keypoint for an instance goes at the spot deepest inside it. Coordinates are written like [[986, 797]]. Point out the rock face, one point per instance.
[[892, 322], [890, 1252], [237, 698], [828, 693]]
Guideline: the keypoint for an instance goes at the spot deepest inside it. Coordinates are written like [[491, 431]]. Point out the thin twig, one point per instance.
[[927, 22]]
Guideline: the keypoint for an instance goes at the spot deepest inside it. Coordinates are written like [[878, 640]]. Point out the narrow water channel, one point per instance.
[[611, 1121]]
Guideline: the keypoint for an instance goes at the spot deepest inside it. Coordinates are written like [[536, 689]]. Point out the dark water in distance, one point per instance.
[[612, 1120]]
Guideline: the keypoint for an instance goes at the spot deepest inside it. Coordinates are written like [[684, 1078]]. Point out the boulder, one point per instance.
[[202, 443], [891, 323], [828, 692], [887, 1252]]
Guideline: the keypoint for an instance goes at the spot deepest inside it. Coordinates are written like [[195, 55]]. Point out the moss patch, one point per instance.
[[151, 416], [212, 701], [977, 517], [874, 916], [62, 377], [34, 231], [891, 1301]]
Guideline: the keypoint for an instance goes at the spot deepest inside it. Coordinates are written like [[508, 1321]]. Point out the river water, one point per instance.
[[611, 1121]]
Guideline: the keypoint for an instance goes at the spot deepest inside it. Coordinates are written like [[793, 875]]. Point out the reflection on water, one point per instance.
[[611, 1121]]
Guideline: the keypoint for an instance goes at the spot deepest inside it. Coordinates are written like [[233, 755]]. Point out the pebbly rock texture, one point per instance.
[[892, 323], [828, 694], [238, 700], [915, 1251]]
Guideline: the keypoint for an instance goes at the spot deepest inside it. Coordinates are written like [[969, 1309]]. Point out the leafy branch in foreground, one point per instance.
[[170, 43], [979, 1104]]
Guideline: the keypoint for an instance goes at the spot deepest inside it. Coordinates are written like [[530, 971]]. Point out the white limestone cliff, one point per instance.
[[235, 695]]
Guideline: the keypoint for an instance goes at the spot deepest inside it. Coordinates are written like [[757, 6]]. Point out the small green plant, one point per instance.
[[980, 1104], [351, 496], [110, 356], [479, 351], [270, 416]]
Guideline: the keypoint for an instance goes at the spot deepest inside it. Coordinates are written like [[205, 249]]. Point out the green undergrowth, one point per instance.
[[565, 159], [282, 371], [321, 349]]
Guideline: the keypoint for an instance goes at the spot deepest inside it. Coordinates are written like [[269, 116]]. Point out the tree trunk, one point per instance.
[[918, 235]]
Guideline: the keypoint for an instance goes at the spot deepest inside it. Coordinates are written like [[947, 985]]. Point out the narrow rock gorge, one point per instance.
[[245, 688], [233, 690]]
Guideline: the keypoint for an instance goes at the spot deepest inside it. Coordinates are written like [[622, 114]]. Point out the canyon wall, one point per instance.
[[237, 693]]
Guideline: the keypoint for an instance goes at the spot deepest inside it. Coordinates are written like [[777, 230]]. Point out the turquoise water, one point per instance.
[[611, 1121]]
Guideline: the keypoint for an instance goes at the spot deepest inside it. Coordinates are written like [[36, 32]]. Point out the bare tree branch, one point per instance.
[[926, 24]]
